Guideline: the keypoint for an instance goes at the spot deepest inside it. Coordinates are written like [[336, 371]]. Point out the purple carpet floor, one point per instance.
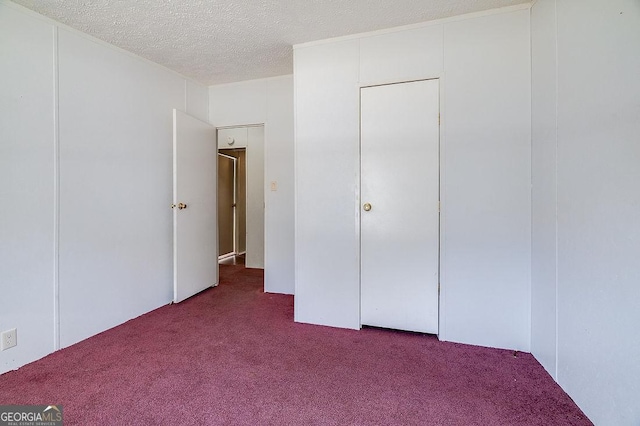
[[232, 355]]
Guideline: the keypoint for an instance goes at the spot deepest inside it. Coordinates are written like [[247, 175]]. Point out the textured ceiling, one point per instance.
[[219, 41]]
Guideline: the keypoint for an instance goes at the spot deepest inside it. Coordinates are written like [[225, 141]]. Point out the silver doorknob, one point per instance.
[[366, 207]]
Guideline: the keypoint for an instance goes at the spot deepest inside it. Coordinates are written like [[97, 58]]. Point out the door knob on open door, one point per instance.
[[366, 207], [182, 206]]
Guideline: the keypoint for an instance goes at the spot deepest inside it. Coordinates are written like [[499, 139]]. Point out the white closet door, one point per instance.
[[195, 219], [400, 182]]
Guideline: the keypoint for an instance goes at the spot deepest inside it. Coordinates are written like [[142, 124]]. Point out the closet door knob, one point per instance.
[[366, 207]]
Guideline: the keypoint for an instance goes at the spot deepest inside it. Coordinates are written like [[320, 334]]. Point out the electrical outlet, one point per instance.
[[9, 339]]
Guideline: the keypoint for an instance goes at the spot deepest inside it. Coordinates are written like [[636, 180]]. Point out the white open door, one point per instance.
[[195, 227]]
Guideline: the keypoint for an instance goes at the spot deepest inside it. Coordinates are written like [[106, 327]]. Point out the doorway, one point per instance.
[[400, 219], [232, 207], [241, 195]]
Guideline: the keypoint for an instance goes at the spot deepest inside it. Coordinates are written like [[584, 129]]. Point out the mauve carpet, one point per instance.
[[233, 355]]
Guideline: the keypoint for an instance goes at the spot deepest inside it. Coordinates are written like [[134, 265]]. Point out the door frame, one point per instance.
[[264, 177], [234, 224]]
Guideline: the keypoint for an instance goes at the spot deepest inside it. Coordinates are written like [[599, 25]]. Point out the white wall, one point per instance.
[[27, 164], [279, 212], [485, 170], [486, 235], [115, 228], [197, 100], [268, 101], [544, 181], [327, 243], [87, 142], [598, 232], [255, 211]]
